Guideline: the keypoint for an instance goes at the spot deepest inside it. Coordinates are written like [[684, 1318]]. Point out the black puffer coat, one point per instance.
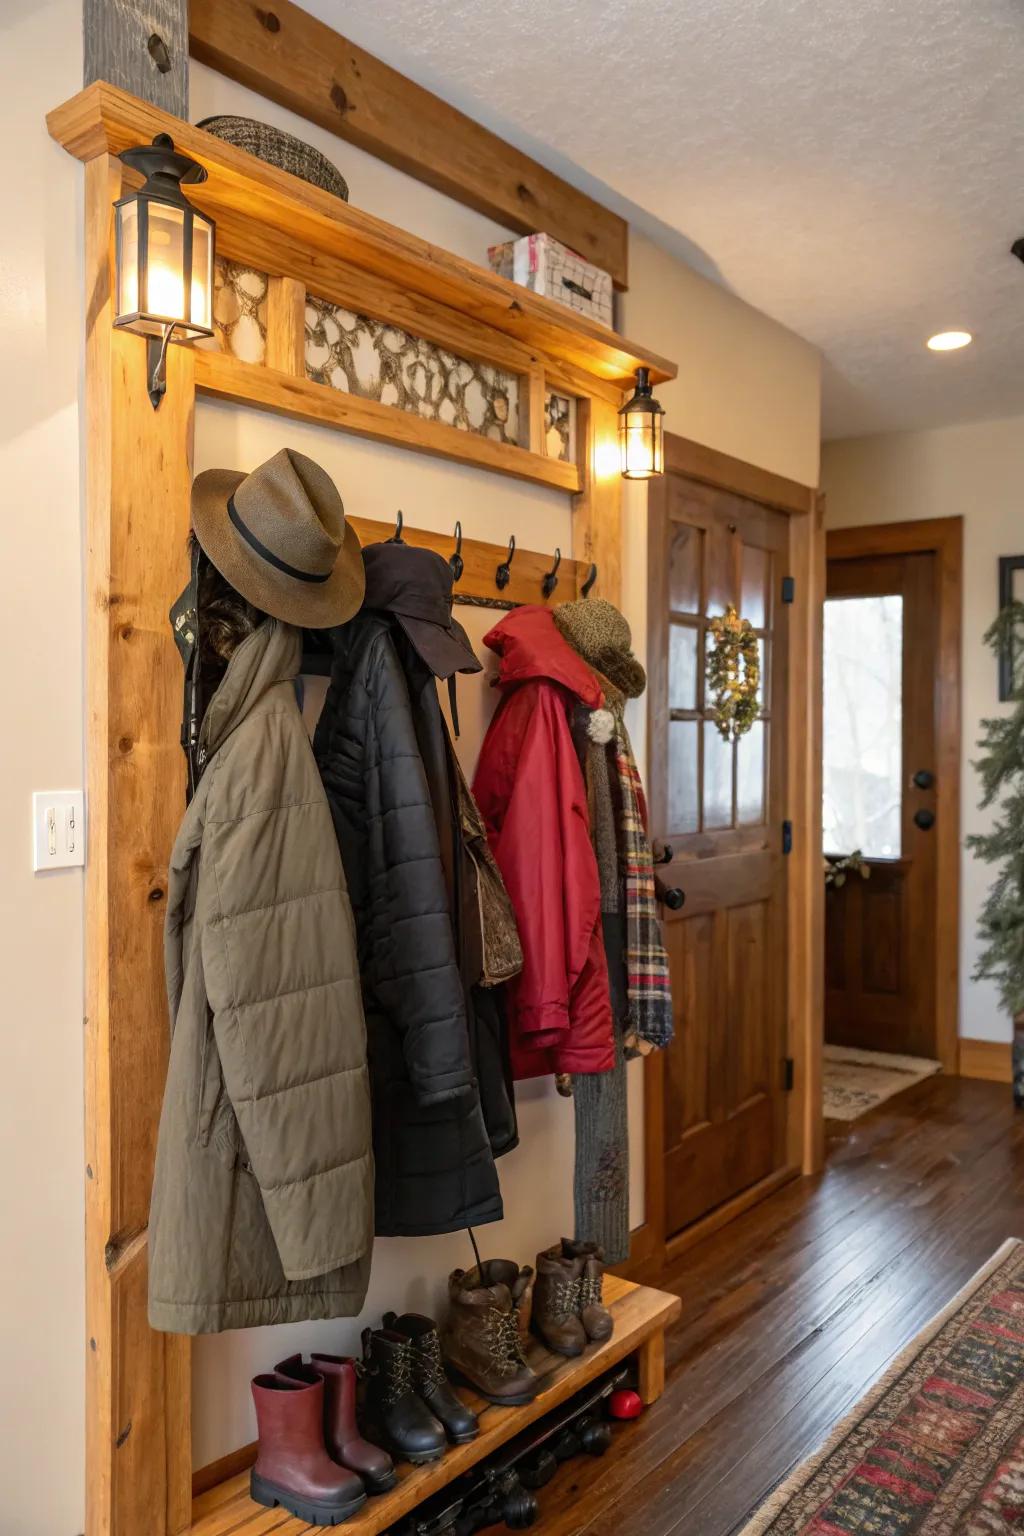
[[434, 1167]]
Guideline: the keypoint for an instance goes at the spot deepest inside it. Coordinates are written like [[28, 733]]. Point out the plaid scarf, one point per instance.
[[647, 979]]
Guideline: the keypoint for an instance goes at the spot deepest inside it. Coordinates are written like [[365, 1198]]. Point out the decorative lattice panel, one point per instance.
[[382, 362]]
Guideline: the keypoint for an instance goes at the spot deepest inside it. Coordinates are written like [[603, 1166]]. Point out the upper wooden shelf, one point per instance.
[[274, 216]]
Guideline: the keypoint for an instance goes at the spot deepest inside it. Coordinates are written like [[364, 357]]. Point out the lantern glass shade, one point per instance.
[[641, 433], [165, 249], [165, 269]]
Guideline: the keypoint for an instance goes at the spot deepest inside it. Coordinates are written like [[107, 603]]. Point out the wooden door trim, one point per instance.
[[685, 457], [805, 894], [943, 537]]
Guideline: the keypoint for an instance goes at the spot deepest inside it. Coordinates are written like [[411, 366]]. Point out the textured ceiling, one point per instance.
[[854, 168]]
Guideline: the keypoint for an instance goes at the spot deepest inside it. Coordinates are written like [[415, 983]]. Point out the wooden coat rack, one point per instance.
[[139, 475]]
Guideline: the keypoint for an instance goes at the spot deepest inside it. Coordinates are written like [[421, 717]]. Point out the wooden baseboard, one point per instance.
[[644, 1255], [231, 1465], [723, 1214], [988, 1059]]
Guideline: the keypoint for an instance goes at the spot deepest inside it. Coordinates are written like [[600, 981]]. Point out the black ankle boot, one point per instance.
[[395, 1408], [460, 1423]]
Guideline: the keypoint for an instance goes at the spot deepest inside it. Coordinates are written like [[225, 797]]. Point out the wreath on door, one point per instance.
[[733, 674]]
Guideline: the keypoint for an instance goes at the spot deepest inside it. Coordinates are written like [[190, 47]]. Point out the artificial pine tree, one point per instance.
[[1001, 769]]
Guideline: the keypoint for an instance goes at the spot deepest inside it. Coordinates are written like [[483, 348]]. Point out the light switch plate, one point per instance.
[[58, 829]]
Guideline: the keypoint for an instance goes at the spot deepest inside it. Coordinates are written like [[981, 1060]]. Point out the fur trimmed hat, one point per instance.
[[599, 633]]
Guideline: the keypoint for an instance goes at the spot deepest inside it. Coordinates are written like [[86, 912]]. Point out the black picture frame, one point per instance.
[[1009, 565]]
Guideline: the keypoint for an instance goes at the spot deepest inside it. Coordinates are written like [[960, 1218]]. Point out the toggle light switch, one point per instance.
[[58, 829]]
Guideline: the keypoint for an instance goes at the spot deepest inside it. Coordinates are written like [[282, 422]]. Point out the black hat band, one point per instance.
[[268, 554]]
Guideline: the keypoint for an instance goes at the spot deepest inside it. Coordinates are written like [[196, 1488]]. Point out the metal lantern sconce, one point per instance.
[[641, 432], [164, 256]]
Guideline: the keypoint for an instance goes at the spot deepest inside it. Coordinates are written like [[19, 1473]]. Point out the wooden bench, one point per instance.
[[641, 1317]]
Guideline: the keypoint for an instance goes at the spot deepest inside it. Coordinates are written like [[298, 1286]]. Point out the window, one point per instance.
[[863, 727]]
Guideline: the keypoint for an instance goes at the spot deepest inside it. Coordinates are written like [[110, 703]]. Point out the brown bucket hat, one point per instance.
[[279, 536]]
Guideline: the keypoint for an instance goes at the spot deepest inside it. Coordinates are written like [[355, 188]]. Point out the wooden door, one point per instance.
[[717, 810], [880, 779]]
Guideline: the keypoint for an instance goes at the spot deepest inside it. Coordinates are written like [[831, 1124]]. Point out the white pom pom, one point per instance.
[[601, 726]]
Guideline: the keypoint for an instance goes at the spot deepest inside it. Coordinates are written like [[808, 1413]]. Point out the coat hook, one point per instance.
[[503, 575], [455, 560], [591, 578], [396, 537], [550, 581]]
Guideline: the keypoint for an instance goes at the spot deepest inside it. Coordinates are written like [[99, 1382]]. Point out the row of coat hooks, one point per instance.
[[502, 573]]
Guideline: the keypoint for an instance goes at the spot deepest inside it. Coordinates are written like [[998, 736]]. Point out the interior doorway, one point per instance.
[[732, 1108], [891, 774]]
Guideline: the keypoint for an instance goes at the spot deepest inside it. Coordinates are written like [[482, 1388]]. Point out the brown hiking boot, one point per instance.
[[594, 1315], [556, 1302], [520, 1288], [481, 1339]]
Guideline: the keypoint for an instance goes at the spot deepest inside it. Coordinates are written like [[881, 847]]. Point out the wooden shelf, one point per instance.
[[225, 377], [641, 1317], [288, 227]]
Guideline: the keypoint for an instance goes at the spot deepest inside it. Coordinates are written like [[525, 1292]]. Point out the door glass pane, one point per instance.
[[684, 568], [718, 756], [754, 586], [863, 727], [750, 771], [683, 803], [682, 667]]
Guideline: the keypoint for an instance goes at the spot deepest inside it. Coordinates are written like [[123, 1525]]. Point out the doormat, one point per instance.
[[855, 1081], [937, 1445]]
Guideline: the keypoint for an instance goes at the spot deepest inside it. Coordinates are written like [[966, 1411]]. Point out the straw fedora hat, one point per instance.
[[279, 536]]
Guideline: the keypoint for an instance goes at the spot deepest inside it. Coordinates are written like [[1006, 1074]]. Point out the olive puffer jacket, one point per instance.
[[434, 1165], [263, 1193]]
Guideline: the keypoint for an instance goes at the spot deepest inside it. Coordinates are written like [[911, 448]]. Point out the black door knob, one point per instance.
[[923, 779], [670, 896], [925, 820]]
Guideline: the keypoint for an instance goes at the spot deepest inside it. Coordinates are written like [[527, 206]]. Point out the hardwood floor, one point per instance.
[[794, 1309]]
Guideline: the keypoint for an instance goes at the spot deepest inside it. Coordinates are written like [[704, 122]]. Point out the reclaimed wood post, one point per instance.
[[143, 48], [138, 479]]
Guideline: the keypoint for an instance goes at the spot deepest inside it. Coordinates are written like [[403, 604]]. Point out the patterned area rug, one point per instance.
[[855, 1081], [937, 1446]]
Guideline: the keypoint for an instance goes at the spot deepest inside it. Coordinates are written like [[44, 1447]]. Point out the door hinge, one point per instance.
[[787, 837], [788, 1074], [788, 589]]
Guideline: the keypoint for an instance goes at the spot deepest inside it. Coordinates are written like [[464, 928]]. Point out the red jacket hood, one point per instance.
[[531, 645]]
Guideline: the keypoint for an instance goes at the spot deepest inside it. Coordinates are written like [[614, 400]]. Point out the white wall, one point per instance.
[[975, 471], [42, 1330], [748, 387]]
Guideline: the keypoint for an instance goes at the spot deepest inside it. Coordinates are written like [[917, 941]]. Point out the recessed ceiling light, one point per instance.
[[950, 341]]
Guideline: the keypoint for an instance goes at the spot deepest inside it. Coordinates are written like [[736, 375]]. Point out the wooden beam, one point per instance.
[[283, 225], [597, 510], [228, 378], [138, 479], [286, 326], [685, 457], [141, 46], [287, 55]]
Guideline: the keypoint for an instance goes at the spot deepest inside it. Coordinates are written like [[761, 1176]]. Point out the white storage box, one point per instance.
[[546, 266]]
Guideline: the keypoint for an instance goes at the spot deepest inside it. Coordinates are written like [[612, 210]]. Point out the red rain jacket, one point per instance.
[[530, 789]]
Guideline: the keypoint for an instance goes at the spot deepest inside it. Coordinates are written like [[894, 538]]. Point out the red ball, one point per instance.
[[625, 1404]]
